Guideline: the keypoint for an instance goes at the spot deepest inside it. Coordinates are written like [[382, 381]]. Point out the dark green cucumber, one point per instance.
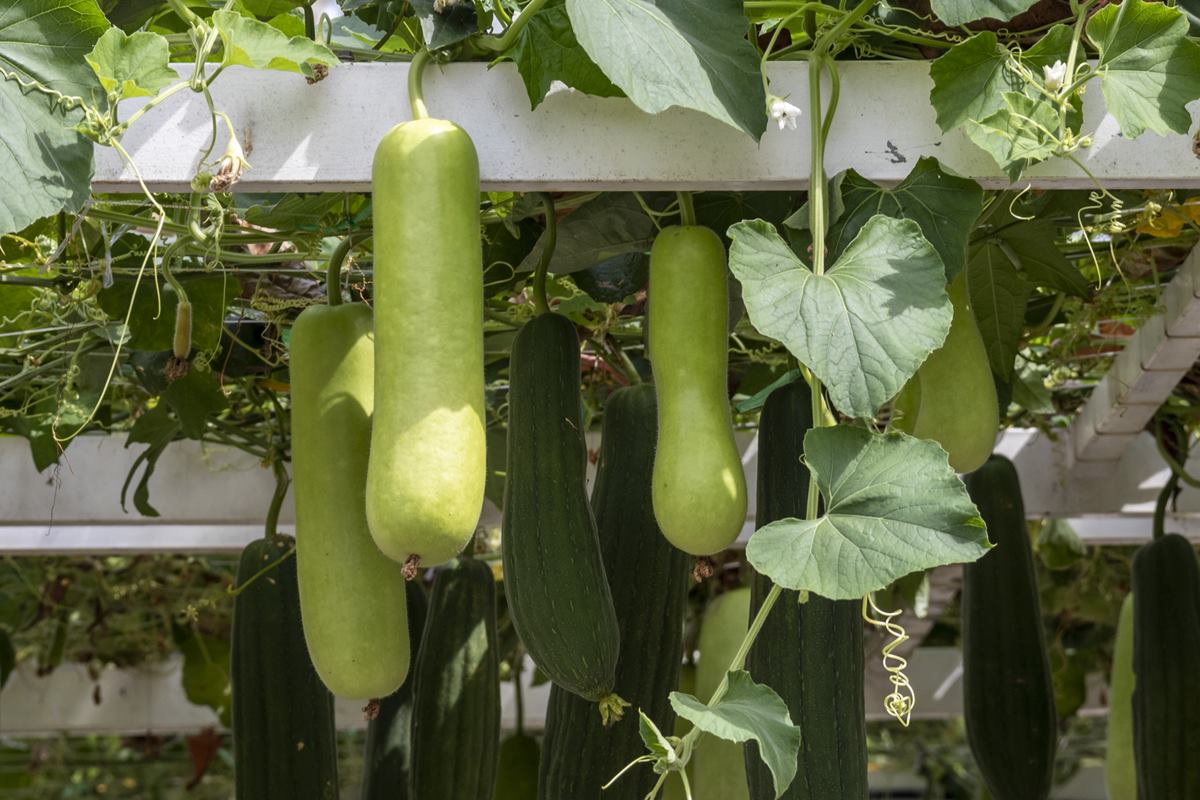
[[811, 654], [388, 756], [644, 572], [517, 773], [1008, 695], [456, 703], [553, 572], [284, 741], [1166, 664]]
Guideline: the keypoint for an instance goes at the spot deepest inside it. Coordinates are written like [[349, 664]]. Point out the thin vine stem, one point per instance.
[[540, 302]]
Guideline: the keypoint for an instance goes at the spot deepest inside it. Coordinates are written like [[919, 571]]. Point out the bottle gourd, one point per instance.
[[352, 598], [427, 463], [699, 487]]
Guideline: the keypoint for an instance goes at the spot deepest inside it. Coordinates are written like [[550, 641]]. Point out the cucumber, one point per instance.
[[952, 398], [517, 773], [355, 644], [1120, 776], [644, 572], [554, 579], [810, 654], [1008, 694], [718, 767], [427, 466], [1166, 663], [284, 741], [456, 705], [699, 485], [388, 758]]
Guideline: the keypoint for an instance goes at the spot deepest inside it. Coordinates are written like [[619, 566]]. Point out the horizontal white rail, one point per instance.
[[322, 137]]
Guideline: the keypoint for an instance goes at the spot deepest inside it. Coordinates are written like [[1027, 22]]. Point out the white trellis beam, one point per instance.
[[322, 137], [1143, 375], [213, 499]]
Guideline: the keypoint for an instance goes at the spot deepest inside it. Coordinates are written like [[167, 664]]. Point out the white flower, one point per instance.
[[784, 113], [230, 167], [1055, 76]]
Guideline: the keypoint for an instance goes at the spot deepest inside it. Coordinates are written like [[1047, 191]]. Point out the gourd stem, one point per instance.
[[333, 280], [550, 239], [281, 487], [506, 40], [1160, 507], [416, 92], [687, 209]]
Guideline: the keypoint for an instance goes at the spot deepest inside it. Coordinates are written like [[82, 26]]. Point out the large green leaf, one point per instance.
[[893, 506], [611, 225], [1150, 68], [749, 711], [943, 204], [132, 66], [251, 43], [547, 50], [998, 294], [205, 670], [46, 165], [960, 12], [687, 53], [865, 325], [1017, 135]]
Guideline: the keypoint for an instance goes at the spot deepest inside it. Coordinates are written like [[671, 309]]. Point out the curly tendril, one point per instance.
[[903, 698]]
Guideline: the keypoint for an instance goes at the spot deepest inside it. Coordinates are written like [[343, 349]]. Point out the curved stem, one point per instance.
[[1160, 507], [333, 279], [416, 91], [687, 209], [281, 487], [505, 41], [551, 239]]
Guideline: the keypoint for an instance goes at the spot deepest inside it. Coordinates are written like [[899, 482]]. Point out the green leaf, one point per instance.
[[960, 12], [132, 66], [47, 166], [1059, 546], [998, 294], [1033, 244], [943, 204], [1020, 134], [969, 80], [749, 711], [152, 327], [866, 325], [205, 670], [614, 279], [677, 53], [547, 50], [250, 43], [446, 22], [892, 506], [194, 398], [611, 225], [652, 737], [1150, 69], [1030, 393]]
